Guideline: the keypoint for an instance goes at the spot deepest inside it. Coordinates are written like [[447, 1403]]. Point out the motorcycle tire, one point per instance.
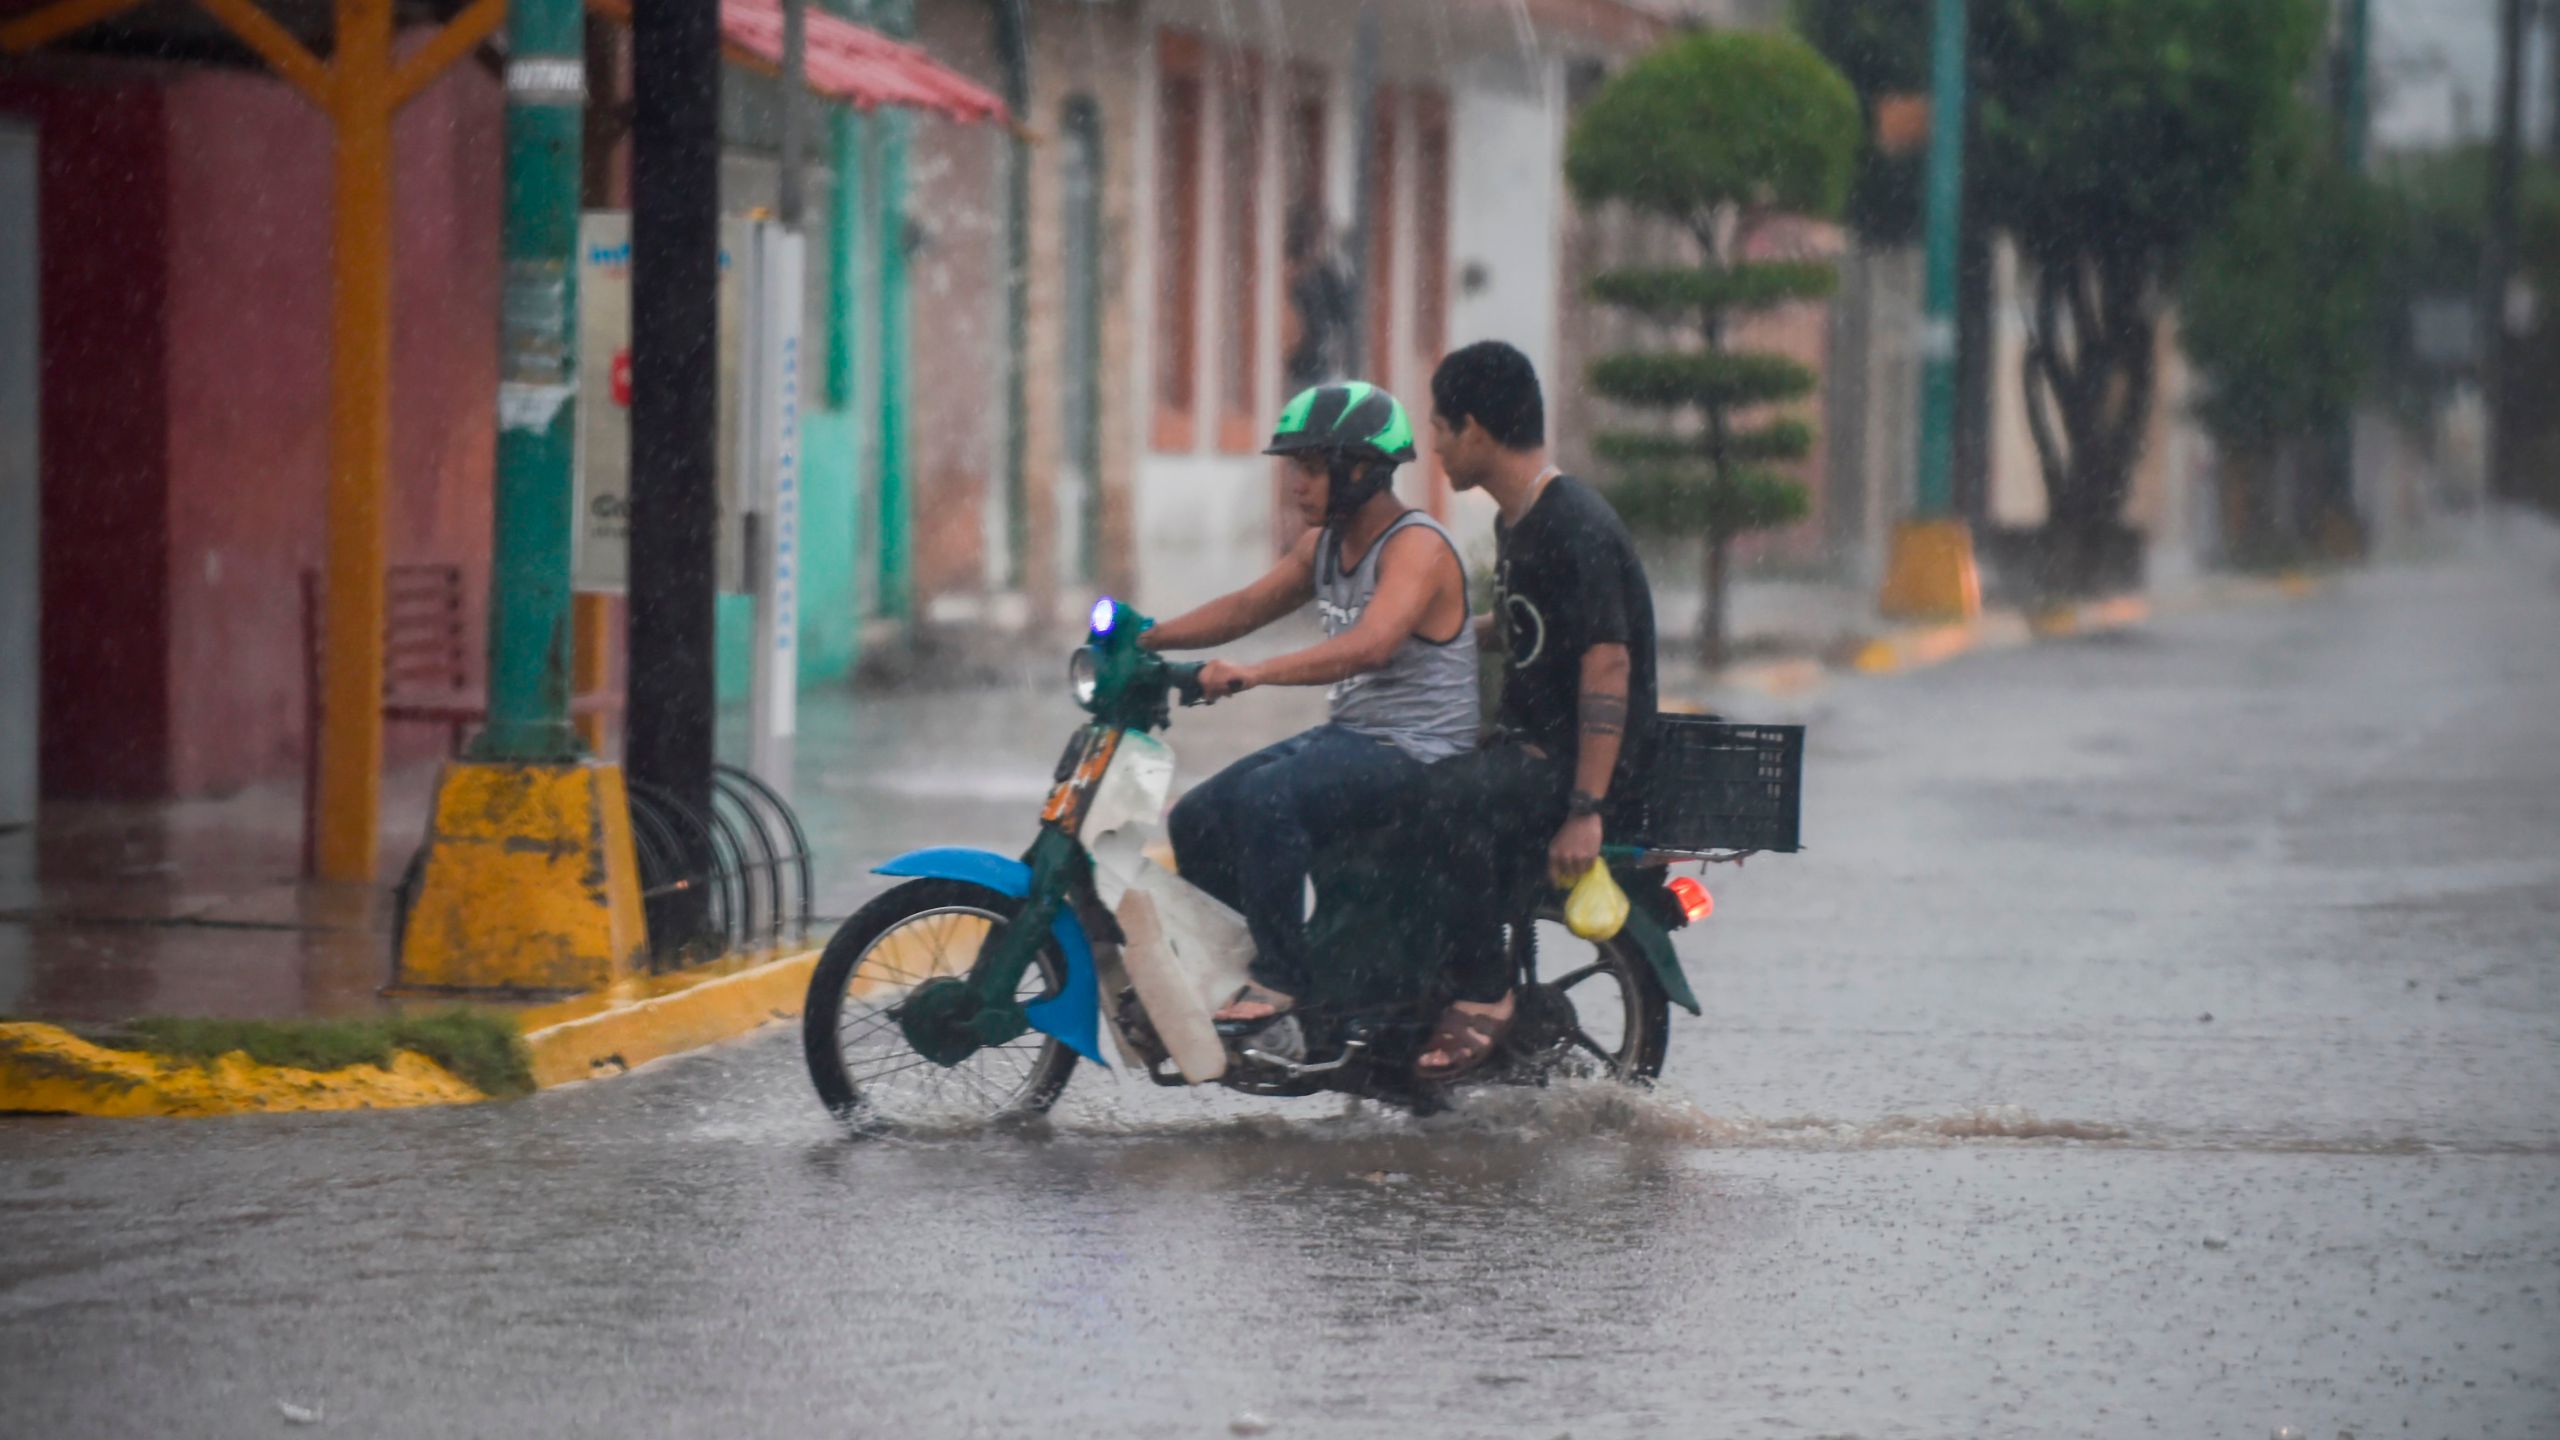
[[1027, 1082]]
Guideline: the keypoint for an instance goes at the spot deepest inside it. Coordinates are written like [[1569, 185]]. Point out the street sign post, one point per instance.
[[774, 352]]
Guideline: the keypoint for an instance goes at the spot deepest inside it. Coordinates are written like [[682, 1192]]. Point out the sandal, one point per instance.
[[1253, 1005], [1468, 1037]]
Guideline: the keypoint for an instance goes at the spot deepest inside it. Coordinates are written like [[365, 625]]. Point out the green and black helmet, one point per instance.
[[1352, 420]]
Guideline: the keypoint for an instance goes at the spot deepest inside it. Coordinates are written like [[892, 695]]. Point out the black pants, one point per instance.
[[1491, 814], [1247, 834]]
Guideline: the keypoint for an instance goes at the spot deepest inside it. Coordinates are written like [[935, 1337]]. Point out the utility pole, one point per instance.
[[2551, 79], [788, 196], [896, 595], [2497, 255], [2355, 86], [1931, 571], [530, 882], [675, 247], [2334, 512], [1944, 219], [529, 636]]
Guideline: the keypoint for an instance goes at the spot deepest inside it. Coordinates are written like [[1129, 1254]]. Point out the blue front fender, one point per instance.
[[1074, 1014]]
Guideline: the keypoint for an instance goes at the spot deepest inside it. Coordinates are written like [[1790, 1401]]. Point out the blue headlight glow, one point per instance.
[[1105, 610]]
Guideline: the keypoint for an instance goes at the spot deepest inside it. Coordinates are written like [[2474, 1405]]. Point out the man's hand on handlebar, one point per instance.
[[1220, 679]]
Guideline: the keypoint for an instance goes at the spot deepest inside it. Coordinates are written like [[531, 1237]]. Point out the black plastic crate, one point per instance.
[[1722, 786]]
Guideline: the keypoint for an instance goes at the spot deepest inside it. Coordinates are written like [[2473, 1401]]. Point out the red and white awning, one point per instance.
[[850, 63]]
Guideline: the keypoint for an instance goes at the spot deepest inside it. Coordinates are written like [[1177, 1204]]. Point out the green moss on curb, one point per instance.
[[482, 1047]]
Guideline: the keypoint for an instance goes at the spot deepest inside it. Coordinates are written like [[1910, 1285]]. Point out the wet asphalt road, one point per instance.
[[2163, 1038]]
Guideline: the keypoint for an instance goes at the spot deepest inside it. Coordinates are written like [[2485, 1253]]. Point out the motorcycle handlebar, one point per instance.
[[1184, 676]]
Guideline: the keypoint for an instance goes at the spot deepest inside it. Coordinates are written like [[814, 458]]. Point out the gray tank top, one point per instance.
[[1424, 698]]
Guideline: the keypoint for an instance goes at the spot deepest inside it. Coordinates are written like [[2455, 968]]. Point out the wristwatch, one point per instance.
[[1582, 804]]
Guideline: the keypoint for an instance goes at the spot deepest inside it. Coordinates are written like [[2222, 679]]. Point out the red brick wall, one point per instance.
[[956, 351], [248, 393], [186, 242], [103, 205]]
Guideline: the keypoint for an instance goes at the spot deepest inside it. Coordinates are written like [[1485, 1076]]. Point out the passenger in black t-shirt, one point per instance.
[[1566, 760]]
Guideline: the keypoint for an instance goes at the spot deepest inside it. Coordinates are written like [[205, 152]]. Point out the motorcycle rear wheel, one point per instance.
[[1616, 1021], [867, 1073]]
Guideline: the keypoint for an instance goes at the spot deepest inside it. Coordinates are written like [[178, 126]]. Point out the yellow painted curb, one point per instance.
[[2121, 612], [48, 1070], [609, 1033], [1774, 677], [1921, 646]]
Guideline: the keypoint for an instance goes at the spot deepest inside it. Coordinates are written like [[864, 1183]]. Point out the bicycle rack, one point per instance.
[[713, 882], [735, 878]]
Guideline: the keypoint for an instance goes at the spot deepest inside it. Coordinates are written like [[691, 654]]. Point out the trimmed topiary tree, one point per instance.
[[1716, 132]]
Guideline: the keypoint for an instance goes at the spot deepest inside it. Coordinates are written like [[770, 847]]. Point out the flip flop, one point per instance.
[[1270, 1006], [1471, 1036]]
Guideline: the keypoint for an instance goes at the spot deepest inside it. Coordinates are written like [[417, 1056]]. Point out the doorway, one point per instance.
[[20, 583]]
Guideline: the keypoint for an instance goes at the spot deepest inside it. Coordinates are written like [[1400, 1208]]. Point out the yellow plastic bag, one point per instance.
[[1597, 907]]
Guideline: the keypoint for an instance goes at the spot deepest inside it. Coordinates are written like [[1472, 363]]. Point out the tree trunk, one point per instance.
[[1711, 621], [2089, 370], [2247, 485]]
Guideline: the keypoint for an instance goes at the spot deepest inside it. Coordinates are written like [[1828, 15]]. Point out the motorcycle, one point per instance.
[[967, 994]]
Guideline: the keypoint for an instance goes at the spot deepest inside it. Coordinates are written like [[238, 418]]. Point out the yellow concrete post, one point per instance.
[[1930, 573], [532, 884], [360, 98]]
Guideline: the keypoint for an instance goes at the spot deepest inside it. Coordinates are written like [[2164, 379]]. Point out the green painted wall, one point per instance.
[[830, 620]]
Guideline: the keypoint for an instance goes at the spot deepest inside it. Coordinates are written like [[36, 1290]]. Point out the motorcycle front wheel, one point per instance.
[[866, 1070]]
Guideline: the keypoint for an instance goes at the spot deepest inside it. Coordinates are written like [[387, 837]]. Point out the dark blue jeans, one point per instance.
[[1248, 833]]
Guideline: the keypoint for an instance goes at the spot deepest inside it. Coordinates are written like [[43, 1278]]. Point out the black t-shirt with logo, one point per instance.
[[1566, 579]]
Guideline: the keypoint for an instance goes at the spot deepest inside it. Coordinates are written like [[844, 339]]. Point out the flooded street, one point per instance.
[[2159, 1036]]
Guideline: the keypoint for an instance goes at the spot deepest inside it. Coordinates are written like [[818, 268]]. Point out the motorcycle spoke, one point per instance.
[[876, 1076], [1572, 978], [1583, 1039]]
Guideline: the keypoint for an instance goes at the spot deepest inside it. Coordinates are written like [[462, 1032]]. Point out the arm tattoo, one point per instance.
[[1603, 714]]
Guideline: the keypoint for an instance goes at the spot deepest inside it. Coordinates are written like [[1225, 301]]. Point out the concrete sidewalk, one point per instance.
[[110, 910]]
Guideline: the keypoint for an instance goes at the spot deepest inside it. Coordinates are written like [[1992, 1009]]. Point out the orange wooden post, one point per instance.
[[591, 659], [360, 103]]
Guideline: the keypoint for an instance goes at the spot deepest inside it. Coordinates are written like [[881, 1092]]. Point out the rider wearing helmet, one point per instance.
[[1399, 653]]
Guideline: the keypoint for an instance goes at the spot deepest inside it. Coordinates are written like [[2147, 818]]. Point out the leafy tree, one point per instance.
[[2278, 310], [2108, 138], [1716, 133]]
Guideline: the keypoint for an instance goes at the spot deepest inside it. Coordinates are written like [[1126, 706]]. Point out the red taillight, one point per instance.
[[1695, 902]]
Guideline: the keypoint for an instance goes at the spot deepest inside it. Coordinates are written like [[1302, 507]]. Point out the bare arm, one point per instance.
[[1414, 572], [1604, 718], [1286, 586], [1603, 731]]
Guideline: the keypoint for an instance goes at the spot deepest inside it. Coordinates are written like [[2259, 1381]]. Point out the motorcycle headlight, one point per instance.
[[1084, 676]]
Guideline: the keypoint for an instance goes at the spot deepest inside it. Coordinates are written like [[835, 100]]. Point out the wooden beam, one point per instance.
[[351, 650], [55, 21], [275, 45], [460, 36]]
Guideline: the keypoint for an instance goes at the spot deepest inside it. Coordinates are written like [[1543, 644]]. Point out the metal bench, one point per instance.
[[426, 669]]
